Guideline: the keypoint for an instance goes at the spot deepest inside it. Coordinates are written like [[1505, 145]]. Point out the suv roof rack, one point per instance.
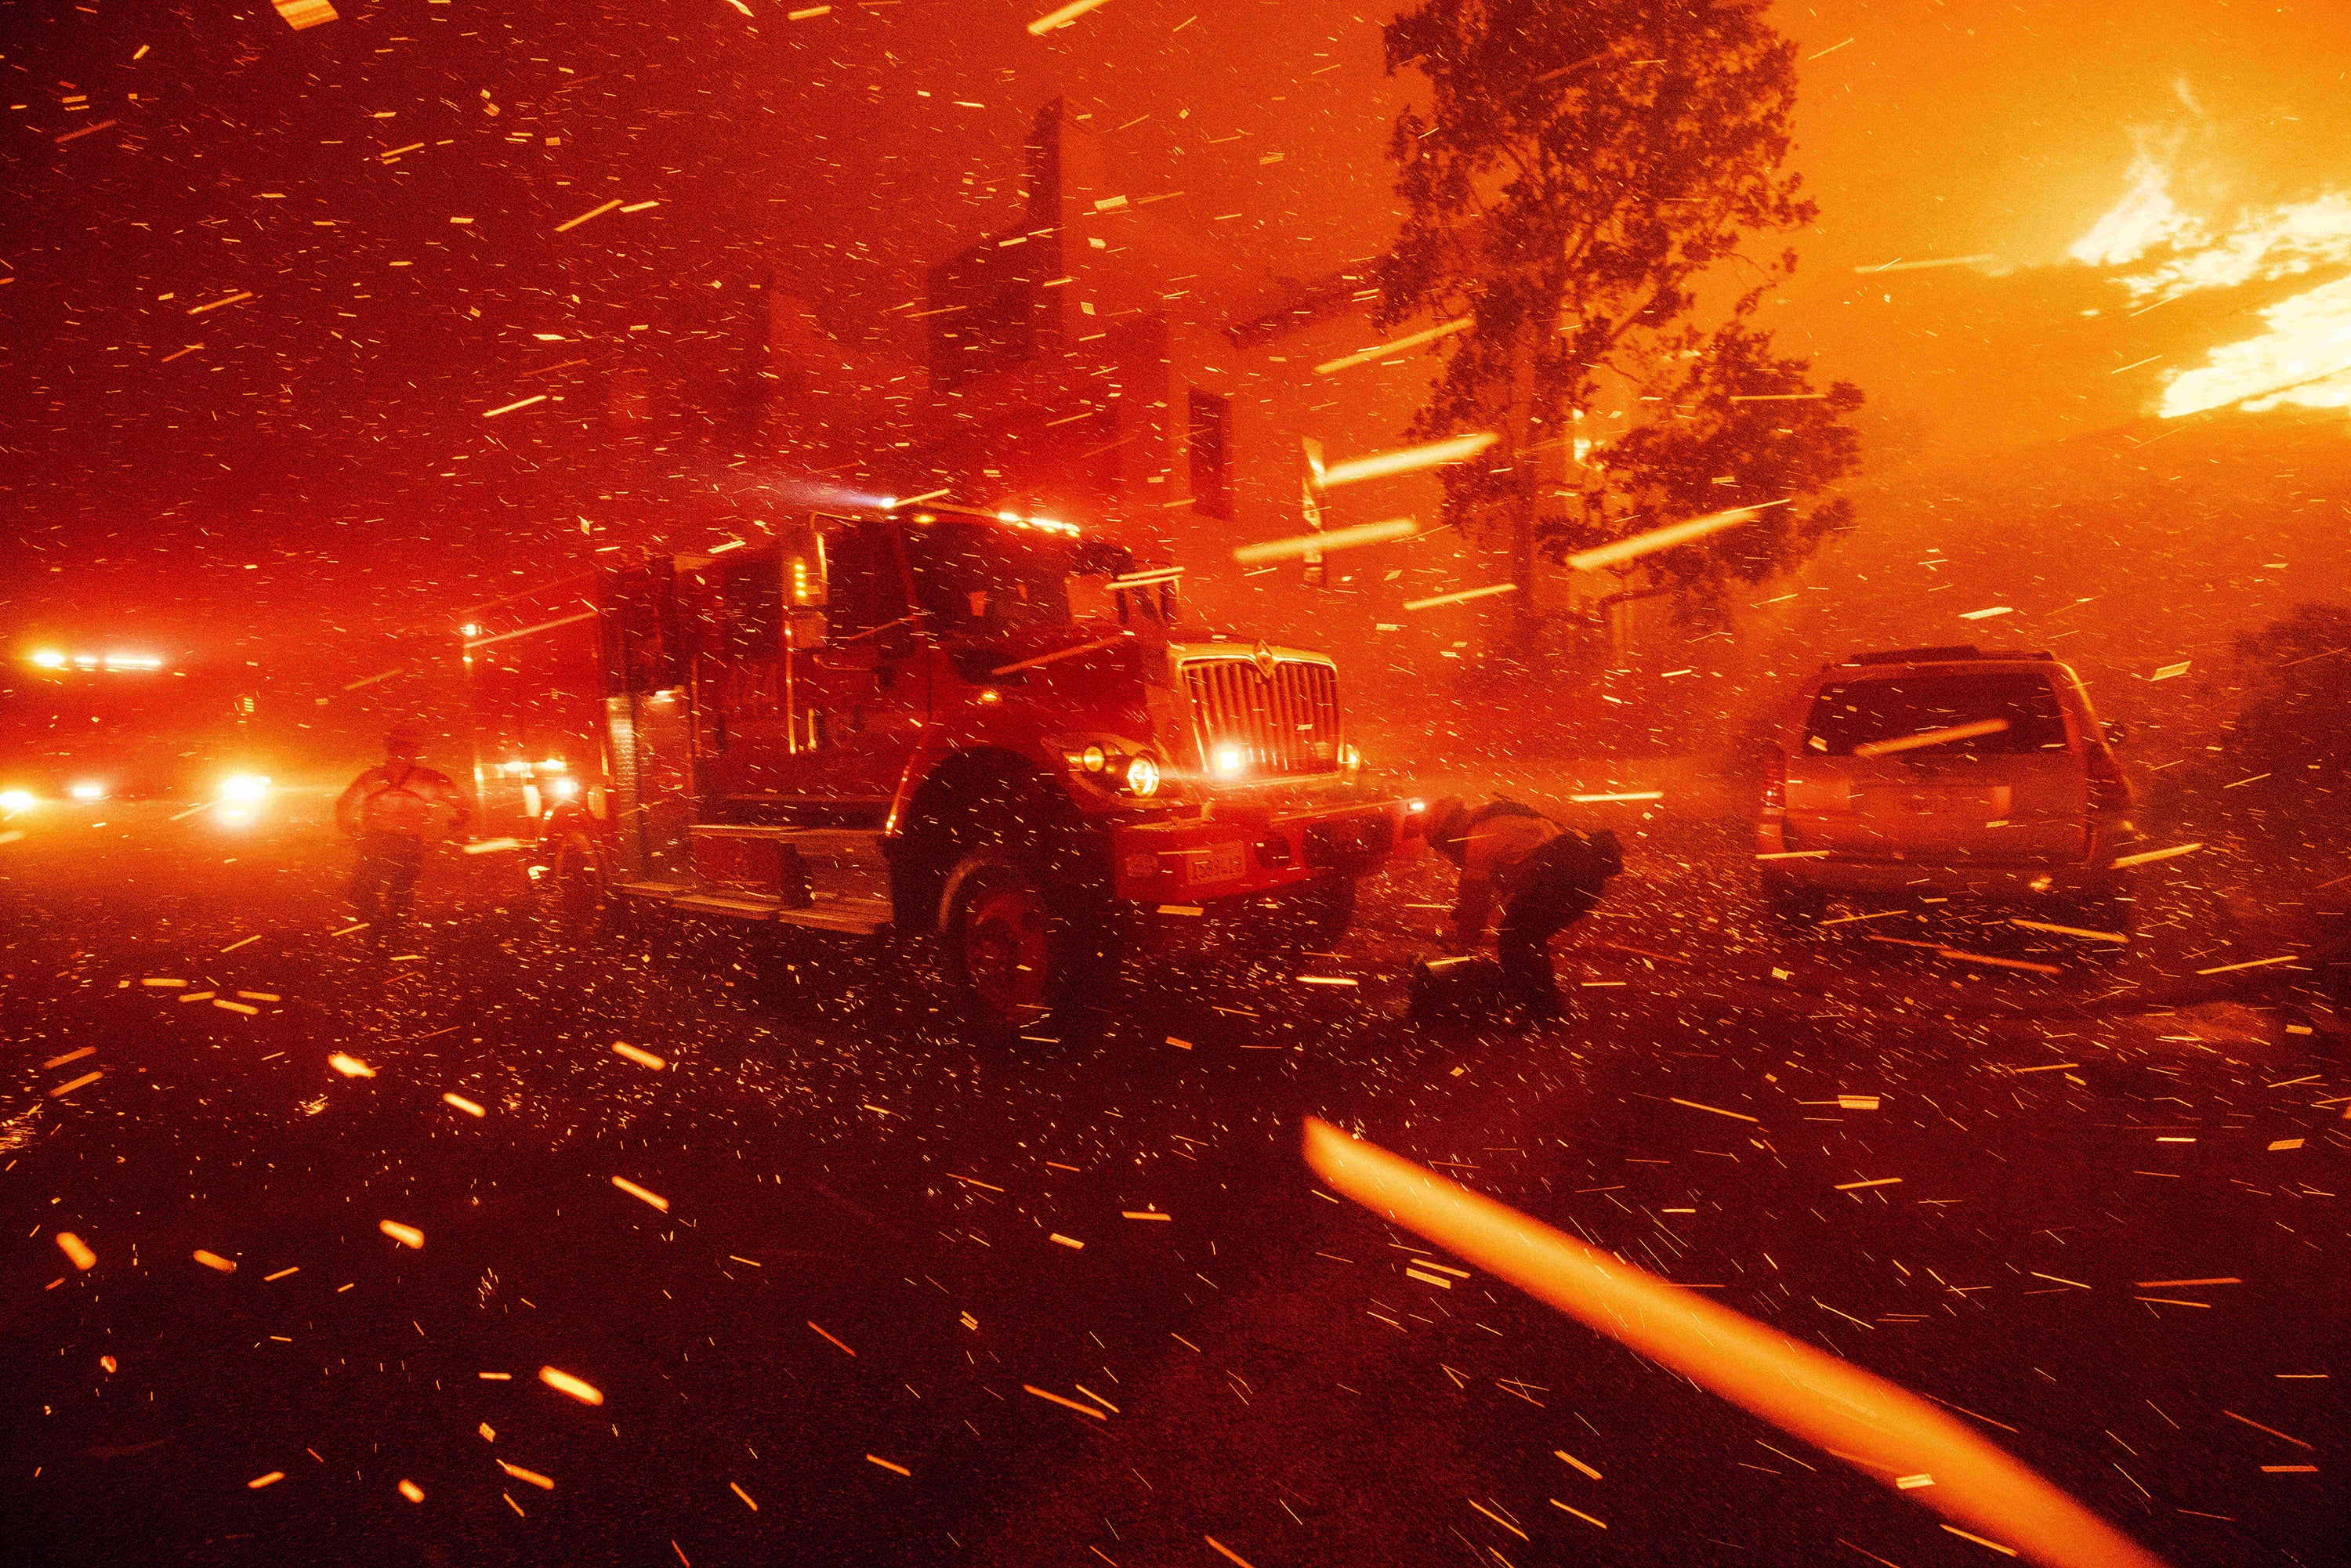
[[1943, 655]]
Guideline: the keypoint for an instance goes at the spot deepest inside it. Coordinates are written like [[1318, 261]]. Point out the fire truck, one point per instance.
[[927, 721]]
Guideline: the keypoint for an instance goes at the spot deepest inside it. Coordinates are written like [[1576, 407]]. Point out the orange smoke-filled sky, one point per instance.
[[1926, 131]]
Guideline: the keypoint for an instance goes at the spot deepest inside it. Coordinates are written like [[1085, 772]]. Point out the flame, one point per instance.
[[2145, 217], [2304, 357]]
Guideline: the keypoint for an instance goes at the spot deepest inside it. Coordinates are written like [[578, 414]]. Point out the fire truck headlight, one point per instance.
[[15, 801], [1141, 777], [1094, 758], [88, 790], [1350, 759], [244, 787], [50, 659], [1229, 760], [565, 788]]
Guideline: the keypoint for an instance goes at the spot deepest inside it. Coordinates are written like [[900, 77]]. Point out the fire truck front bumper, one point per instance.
[[1232, 853]]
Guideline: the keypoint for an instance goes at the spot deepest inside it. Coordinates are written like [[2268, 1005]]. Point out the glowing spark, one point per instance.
[[215, 1260], [591, 213], [462, 1103], [412, 1491], [510, 408], [1465, 594], [1408, 459], [1065, 1403], [1931, 737], [1062, 17], [1666, 537], [301, 14], [72, 1247], [642, 1058], [349, 1066], [2071, 931], [406, 1235], [564, 1383], [633, 1190], [533, 1477], [1337, 539], [1393, 346], [1984, 260], [2146, 856], [1876, 1426]]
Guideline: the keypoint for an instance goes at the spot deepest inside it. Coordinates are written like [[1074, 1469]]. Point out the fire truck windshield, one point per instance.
[[979, 579]]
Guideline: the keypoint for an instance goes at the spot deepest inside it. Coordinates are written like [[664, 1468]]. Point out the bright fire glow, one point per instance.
[[50, 659], [15, 801], [1229, 759], [245, 787], [88, 790], [2305, 356]]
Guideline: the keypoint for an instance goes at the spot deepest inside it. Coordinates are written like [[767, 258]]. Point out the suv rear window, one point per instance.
[[1849, 715]]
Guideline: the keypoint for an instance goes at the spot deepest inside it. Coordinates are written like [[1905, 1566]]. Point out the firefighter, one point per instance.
[[396, 811], [1546, 877]]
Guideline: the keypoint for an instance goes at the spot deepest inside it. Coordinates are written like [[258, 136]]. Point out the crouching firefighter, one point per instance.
[[1547, 878]]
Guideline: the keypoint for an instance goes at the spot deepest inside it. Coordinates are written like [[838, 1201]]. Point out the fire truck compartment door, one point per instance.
[[858, 702]]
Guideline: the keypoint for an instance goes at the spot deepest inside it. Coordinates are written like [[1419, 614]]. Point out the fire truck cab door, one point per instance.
[[859, 694]]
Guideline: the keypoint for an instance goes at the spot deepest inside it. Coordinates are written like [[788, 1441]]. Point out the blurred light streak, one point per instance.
[[1334, 538], [1871, 1424], [1394, 346], [1062, 17], [1655, 539], [1407, 459]]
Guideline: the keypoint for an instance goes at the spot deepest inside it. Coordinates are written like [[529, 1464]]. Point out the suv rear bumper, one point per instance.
[[1233, 852], [2004, 883]]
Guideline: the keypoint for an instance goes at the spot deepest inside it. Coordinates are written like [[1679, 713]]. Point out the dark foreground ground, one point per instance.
[[878, 1238]]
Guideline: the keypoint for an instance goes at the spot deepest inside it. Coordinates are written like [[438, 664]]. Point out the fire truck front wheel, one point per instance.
[[1011, 949]]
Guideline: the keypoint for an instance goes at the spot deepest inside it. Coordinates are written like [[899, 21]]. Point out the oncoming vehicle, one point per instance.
[[930, 721], [86, 729], [1947, 772]]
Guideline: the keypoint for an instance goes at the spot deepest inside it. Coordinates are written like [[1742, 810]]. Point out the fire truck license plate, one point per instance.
[[1220, 863]]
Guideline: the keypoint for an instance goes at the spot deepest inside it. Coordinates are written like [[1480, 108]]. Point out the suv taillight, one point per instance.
[[2109, 790], [1775, 782]]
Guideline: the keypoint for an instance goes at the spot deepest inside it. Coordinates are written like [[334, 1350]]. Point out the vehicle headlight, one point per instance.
[[1141, 777], [1350, 759], [565, 788], [245, 786], [1094, 758], [88, 789], [15, 801], [1229, 760]]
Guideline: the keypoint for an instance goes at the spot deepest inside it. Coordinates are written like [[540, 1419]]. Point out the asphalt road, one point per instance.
[[859, 1245]]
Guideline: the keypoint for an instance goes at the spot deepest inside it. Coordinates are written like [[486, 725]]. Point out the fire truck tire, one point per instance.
[[1013, 952]]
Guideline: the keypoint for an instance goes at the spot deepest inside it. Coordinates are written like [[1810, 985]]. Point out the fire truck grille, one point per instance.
[[1285, 724]]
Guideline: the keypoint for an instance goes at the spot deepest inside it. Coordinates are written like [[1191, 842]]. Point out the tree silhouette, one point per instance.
[[1579, 190]]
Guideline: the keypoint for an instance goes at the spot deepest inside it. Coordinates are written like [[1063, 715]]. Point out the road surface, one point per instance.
[[873, 1294]]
